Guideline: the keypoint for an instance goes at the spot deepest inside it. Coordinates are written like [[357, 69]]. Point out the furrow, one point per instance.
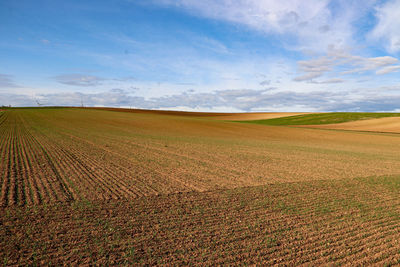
[[34, 189], [12, 184], [43, 175], [6, 159], [96, 181], [59, 187], [85, 171], [20, 173], [125, 166], [129, 189], [120, 186]]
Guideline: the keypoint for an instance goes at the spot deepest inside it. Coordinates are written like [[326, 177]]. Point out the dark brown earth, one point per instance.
[[352, 222]]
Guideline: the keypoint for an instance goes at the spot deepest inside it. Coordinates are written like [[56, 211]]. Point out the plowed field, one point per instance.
[[81, 186]]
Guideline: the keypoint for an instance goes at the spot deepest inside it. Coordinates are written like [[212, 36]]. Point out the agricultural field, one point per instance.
[[96, 186], [323, 118], [383, 125]]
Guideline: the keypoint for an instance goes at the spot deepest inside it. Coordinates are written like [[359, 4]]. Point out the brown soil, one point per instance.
[[311, 223], [214, 115], [256, 116], [84, 186], [74, 154], [161, 112], [384, 125]]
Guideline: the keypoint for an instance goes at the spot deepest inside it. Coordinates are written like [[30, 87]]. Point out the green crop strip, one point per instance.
[[322, 118]]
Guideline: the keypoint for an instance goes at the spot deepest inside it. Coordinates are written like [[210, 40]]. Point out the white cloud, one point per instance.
[[333, 80], [340, 62], [308, 76], [79, 79], [360, 64], [361, 99], [312, 24], [388, 26], [388, 69]]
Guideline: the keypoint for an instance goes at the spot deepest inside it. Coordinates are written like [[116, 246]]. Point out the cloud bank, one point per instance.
[[339, 62], [245, 100]]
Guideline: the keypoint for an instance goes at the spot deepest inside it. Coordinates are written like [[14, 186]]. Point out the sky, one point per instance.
[[209, 55]]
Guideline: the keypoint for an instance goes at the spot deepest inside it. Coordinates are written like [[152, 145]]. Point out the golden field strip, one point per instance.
[[384, 125], [92, 186]]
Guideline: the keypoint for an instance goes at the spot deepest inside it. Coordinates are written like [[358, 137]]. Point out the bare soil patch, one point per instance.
[[256, 116], [214, 115], [387, 125]]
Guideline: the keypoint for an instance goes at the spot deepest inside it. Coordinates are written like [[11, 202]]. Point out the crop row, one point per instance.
[[351, 221], [39, 167], [28, 175], [61, 155], [44, 163]]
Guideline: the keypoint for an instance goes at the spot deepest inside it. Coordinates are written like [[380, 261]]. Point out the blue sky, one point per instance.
[[210, 55]]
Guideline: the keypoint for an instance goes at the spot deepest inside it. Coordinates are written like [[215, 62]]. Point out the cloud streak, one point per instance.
[[239, 100], [388, 69], [339, 62], [79, 79], [6, 81]]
